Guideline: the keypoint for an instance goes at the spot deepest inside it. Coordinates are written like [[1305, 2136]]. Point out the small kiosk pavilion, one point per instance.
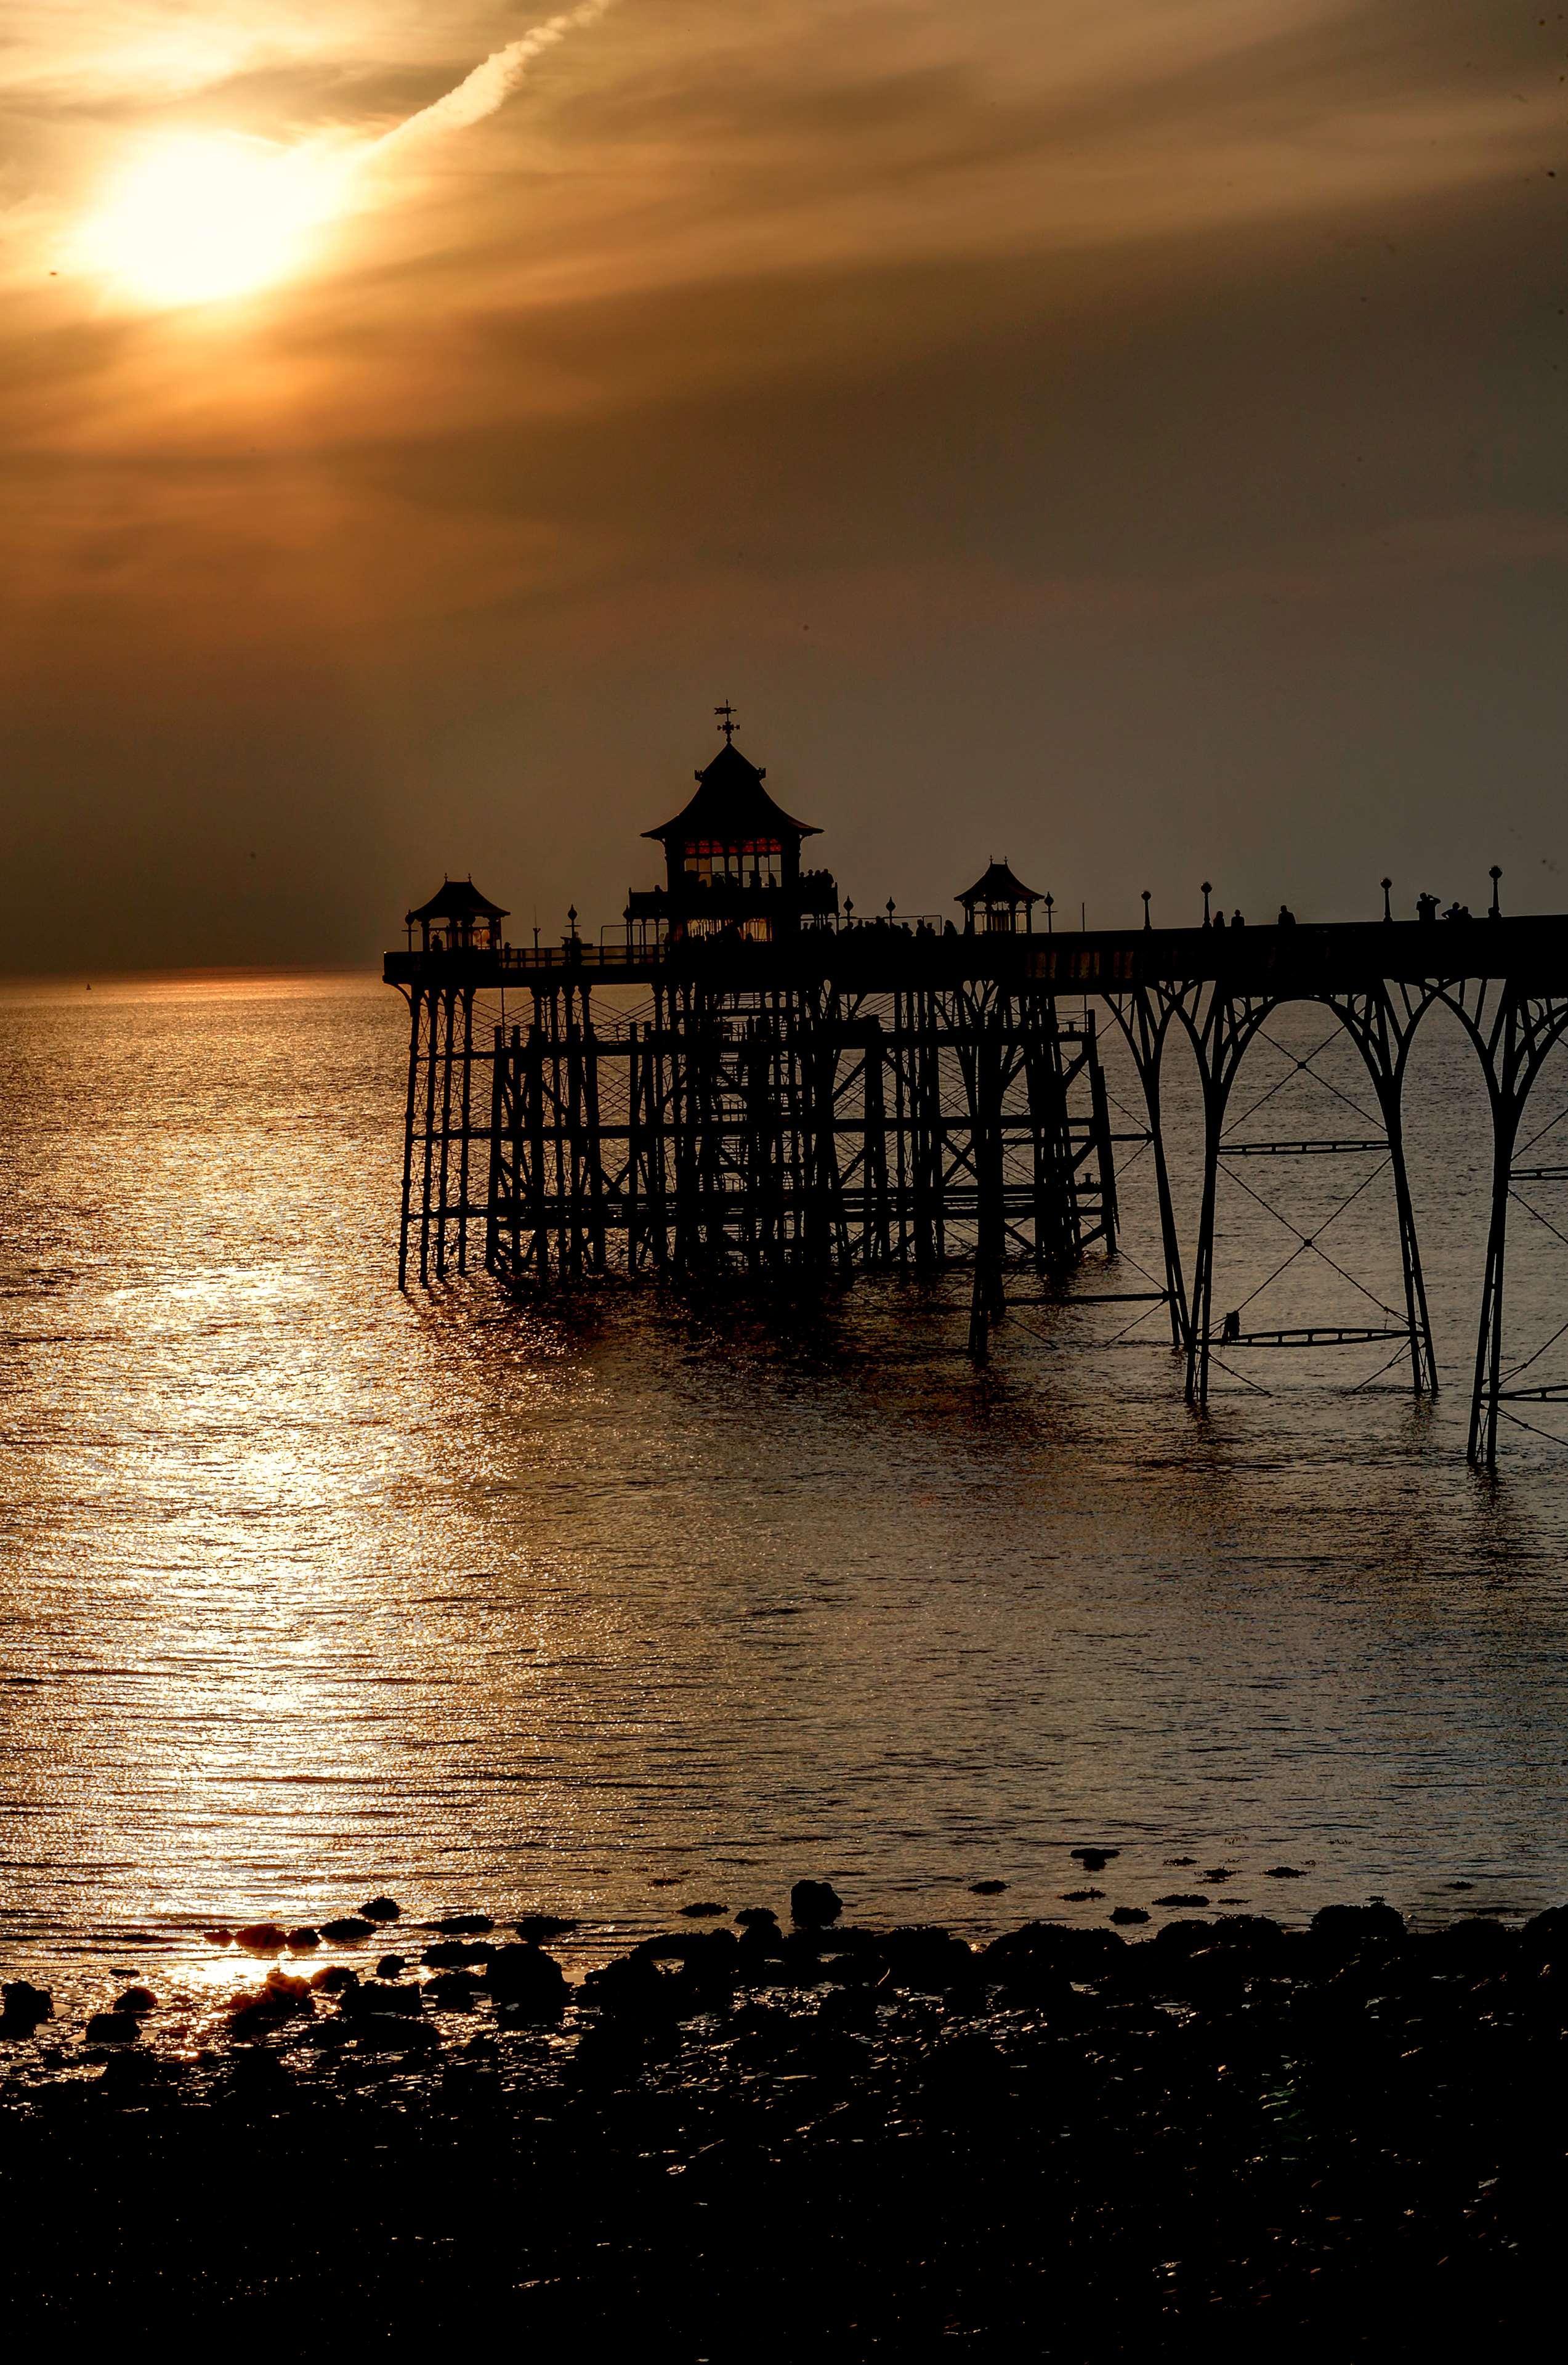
[[456, 919], [993, 905]]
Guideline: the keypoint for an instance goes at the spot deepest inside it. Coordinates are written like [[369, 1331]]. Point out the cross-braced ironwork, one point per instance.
[[899, 1096], [763, 1131]]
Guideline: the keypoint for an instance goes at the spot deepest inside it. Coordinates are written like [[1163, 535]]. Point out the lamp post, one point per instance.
[[1146, 918], [1494, 874], [1051, 906], [1208, 891], [1387, 908]]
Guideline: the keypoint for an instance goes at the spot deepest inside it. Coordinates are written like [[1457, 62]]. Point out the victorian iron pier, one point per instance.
[[745, 1080]]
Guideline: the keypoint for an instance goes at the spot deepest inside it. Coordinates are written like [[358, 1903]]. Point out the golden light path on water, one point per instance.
[[308, 1591]]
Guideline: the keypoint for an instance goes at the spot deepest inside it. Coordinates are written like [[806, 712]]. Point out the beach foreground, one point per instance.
[[817, 2139]]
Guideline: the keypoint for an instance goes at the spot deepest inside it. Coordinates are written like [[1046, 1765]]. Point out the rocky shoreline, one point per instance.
[[792, 2135]]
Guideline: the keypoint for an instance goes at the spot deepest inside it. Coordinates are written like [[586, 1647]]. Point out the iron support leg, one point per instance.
[[1423, 1359], [1202, 1310], [415, 1001], [1482, 1448]]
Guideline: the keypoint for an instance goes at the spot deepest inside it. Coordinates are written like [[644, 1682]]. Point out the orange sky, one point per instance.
[[1129, 439]]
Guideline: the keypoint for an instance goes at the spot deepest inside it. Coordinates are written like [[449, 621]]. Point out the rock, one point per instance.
[[1544, 1937], [701, 1909], [392, 2033], [1094, 1860], [609, 2055], [1474, 1947], [963, 2076], [1177, 1902], [258, 2075], [814, 1903], [1039, 1962], [451, 1991], [347, 1932], [1127, 1915], [537, 1929], [930, 1960], [1182, 1938], [304, 1941], [447, 1954], [262, 1938], [854, 2009], [390, 1967], [23, 2008], [381, 1909], [986, 1887], [464, 1925], [1348, 1927], [137, 2000], [281, 1999], [530, 1983], [113, 2028], [1218, 1872], [756, 1917], [1252, 1934], [334, 1978], [1282, 1872], [218, 1937], [128, 2073], [372, 1997], [1081, 1896]]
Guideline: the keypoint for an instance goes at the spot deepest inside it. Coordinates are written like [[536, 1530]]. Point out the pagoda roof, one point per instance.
[[730, 801], [457, 899], [996, 884]]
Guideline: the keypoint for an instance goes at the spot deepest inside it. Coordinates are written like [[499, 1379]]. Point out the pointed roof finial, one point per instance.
[[727, 714]]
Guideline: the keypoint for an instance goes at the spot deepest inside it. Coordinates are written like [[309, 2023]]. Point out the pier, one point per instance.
[[744, 1078]]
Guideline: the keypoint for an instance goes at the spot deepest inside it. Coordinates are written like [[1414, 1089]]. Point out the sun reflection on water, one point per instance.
[[308, 1591]]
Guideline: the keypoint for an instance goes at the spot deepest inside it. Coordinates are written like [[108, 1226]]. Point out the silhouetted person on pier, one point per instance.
[[1426, 909], [1230, 1329], [1457, 912], [1238, 920], [1219, 919], [1286, 918]]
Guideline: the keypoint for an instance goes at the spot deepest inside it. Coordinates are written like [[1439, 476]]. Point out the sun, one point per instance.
[[200, 217]]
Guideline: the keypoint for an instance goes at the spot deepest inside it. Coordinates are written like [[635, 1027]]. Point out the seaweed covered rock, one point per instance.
[[814, 1903], [23, 2008], [528, 1982]]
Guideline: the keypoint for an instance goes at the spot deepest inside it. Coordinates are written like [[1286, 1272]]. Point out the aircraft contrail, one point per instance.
[[491, 84]]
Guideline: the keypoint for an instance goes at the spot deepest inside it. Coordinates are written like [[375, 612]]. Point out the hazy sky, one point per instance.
[[1129, 438]]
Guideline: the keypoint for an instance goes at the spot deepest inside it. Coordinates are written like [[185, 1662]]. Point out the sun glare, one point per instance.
[[205, 216]]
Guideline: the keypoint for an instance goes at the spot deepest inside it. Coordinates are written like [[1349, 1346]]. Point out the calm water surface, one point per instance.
[[308, 1590]]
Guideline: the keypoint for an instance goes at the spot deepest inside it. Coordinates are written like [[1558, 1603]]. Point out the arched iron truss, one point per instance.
[[881, 1096], [1511, 1024]]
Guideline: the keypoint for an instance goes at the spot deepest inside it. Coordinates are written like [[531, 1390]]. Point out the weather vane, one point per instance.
[[727, 714]]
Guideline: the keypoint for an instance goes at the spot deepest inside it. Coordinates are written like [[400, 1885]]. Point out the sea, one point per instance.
[[311, 1591]]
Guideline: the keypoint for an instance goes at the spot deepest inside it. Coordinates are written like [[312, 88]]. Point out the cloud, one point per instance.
[[1094, 384], [488, 87]]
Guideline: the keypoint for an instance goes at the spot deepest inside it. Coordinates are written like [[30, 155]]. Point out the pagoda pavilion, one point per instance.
[[732, 860]]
